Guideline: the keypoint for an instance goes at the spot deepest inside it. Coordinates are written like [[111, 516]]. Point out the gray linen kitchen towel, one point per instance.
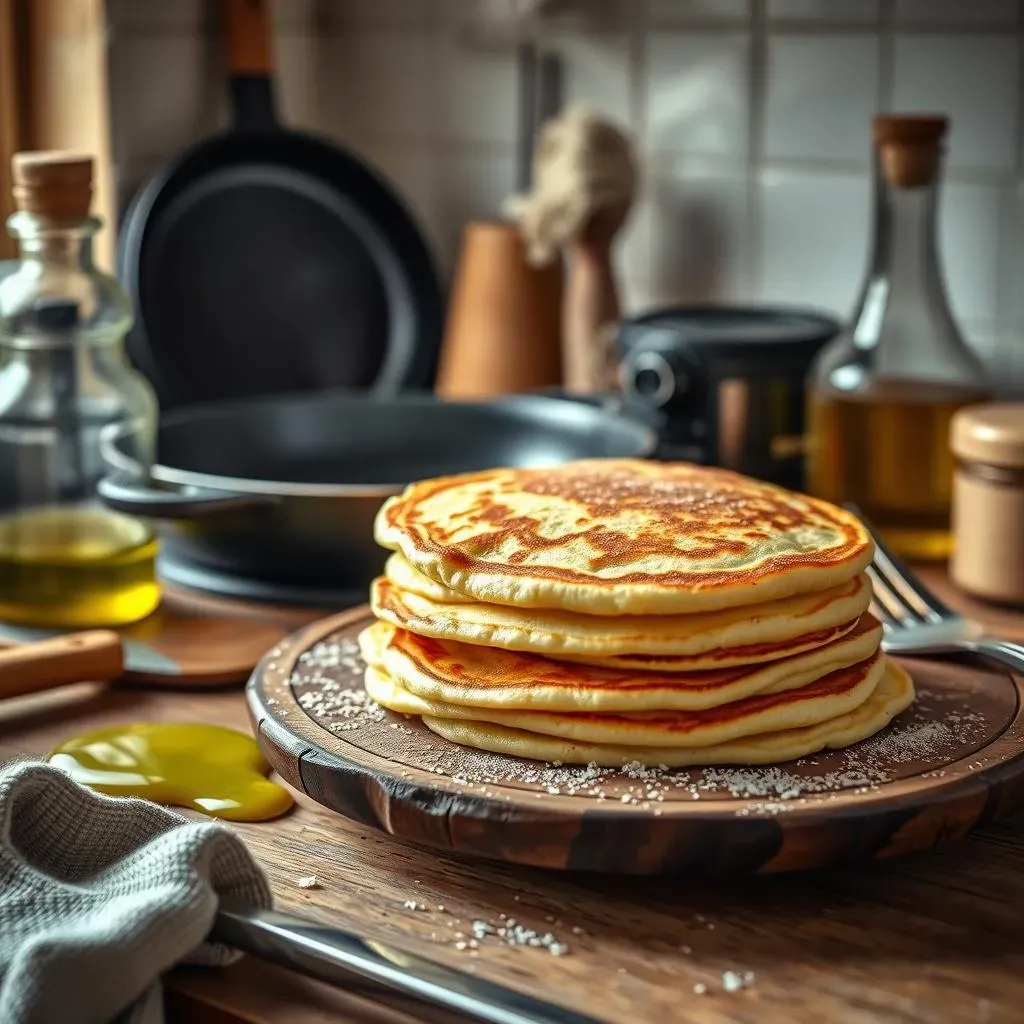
[[99, 896]]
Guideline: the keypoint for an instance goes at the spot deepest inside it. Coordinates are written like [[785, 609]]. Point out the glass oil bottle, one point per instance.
[[65, 386], [883, 393]]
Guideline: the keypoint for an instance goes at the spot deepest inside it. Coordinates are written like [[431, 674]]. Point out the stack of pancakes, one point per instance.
[[616, 611]]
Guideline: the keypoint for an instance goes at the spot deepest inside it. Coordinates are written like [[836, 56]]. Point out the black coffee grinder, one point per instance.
[[723, 385]]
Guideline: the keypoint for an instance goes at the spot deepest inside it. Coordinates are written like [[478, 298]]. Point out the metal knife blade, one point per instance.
[[340, 958]]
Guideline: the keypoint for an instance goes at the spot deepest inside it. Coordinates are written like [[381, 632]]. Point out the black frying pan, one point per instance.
[[284, 491], [266, 261]]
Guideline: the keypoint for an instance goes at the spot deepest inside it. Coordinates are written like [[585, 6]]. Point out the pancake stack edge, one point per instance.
[[615, 611]]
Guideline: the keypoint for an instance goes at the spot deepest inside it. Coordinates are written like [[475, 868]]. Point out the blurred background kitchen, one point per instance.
[[753, 119], [738, 219]]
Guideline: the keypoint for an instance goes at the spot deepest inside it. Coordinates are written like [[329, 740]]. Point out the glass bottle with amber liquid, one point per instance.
[[66, 388], [882, 394]]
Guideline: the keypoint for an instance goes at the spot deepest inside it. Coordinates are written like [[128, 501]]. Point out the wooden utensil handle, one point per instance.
[[247, 37], [93, 655], [591, 305]]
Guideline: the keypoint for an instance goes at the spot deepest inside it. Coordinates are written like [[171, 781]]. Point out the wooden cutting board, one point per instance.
[[954, 759]]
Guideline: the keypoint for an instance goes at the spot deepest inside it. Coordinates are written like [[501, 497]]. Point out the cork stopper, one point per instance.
[[53, 184], [909, 147]]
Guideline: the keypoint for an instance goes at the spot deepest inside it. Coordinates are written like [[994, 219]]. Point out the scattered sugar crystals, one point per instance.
[[326, 694], [506, 930], [732, 981], [470, 936]]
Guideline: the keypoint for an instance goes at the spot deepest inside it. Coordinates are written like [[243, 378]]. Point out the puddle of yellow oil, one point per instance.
[[211, 769]]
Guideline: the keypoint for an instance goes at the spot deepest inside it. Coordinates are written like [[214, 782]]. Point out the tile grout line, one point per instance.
[[886, 55], [639, 39], [753, 269], [1009, 305], [1019, 124], [1009, 310]]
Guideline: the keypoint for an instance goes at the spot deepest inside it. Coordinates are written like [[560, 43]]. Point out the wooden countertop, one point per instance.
[[930, 938]]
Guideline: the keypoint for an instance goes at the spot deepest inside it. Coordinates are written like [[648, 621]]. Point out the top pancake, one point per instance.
[[616, 536]]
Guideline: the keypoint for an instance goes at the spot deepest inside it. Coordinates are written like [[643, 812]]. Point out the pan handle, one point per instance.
[[246, 37], [124, 494], [250, 60]]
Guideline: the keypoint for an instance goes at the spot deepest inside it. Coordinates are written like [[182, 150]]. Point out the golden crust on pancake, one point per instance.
[[398, 571], [894, 693], [717, 639], [616, 536], [474, 676], [832, 695]]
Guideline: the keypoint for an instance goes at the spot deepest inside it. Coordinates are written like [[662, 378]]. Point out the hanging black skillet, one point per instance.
[[265, 260]]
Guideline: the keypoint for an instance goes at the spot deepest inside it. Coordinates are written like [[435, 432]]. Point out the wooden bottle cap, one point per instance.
[[909, 147], [53, 183]]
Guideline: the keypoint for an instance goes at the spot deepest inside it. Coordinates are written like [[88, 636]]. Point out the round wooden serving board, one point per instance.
[[953, 760]]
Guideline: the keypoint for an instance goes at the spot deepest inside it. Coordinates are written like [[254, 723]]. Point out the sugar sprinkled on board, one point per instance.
[[326, 694], [921, 740], [328, 682]]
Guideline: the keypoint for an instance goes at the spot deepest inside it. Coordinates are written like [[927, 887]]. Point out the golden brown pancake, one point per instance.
[[894, 693], [718, 639], [474, 676], [835, 694], [613, 537], [399, 572]]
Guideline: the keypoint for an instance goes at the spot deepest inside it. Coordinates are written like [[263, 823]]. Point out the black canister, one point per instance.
[[725, 385]]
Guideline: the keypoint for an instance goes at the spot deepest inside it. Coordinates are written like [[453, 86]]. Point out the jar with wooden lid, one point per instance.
[[883, 393], [65, 388], [987, 442]]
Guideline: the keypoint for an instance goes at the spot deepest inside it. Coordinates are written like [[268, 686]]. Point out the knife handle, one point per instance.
[[95, 655]]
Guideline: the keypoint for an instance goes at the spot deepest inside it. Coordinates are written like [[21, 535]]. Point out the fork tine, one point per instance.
[[907, 610], [914, 594], [886, 605]]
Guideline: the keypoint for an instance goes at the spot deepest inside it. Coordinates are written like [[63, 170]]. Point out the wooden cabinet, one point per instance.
[[54, 95]]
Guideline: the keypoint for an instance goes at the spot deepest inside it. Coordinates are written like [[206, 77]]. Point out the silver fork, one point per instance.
[[915, 621]]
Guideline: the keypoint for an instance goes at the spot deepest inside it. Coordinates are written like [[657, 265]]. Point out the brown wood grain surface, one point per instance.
[[923, 939]]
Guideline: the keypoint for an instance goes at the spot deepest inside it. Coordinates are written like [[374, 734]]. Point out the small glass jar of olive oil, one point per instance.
[[65, 385]]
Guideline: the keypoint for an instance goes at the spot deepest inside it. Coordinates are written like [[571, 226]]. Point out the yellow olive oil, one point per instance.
[[211, 769], [887, 449], [76, 567]]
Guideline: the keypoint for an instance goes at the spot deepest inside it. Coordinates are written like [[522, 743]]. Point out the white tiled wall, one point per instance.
[[753, 118]]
